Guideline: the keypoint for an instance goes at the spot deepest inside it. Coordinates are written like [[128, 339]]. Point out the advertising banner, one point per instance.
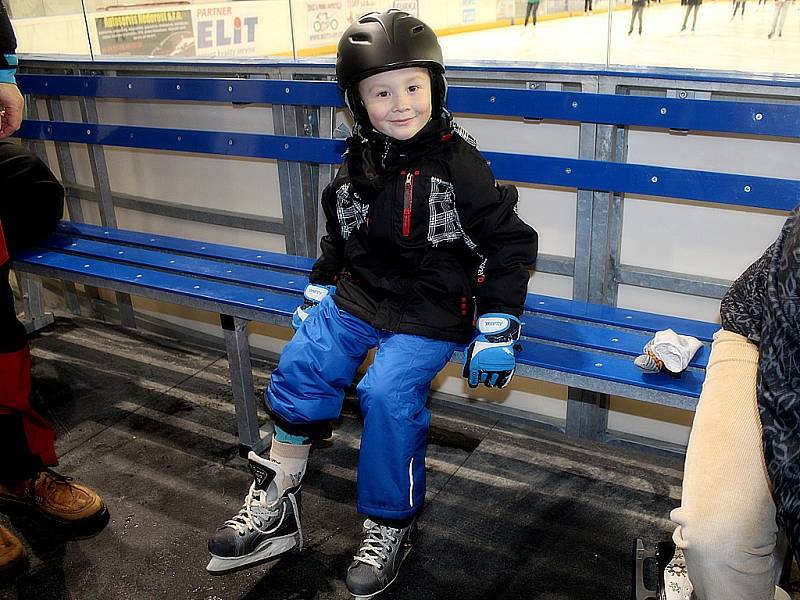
[[410, 6], [325, 20], [229, 30], [154, 33], [469, 11]]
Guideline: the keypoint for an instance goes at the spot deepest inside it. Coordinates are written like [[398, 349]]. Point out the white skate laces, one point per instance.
[[378, 544], [255, 513], [676, 581]]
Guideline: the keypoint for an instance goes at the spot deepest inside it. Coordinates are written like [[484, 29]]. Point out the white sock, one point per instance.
[[292, 459]]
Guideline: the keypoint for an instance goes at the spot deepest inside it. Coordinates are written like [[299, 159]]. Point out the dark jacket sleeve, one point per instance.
[[506, 244], [8, 43], [331, 258]]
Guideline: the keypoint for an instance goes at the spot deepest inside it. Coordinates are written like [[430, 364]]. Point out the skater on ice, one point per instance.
[[424, 251]]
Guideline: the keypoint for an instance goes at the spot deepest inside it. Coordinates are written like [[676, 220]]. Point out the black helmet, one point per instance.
[[384, 41]]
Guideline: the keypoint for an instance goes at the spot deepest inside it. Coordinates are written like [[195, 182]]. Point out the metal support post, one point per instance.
[[30, 288], [102, 185], [241, 372], [327, 118], [587, 412], [66, 167], [293, 196]]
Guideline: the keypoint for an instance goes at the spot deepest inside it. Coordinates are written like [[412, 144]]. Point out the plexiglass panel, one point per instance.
[[757, 36]]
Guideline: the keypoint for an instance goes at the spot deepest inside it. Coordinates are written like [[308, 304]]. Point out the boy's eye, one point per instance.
[[383, 94], [413, 88]]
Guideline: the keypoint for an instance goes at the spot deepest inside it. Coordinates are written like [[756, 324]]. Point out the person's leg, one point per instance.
[[33, 202], [726, 521], [391, 466], [775, 16], [633, 18], [528, 9], [783, 11], [694, 19], [641, 15], [393, 396], [533, 13], [686, 16], [306, 389]]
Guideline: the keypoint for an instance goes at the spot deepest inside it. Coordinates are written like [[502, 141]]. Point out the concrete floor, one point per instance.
[[148, 421]]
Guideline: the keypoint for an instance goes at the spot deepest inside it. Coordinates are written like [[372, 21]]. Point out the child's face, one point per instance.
[[398, 102]]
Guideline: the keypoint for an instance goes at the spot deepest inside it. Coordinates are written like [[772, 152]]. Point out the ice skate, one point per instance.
[[671, 581], [378, 561], [267, 526]]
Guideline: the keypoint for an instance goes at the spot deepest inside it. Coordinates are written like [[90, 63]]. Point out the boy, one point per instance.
[[420, 240]]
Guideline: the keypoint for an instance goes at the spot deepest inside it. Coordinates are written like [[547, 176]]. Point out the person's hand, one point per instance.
[[313, 295], [490, 359], [11, 105]]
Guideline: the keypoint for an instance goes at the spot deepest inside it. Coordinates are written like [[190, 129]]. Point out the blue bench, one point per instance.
[[563, 341], [588, 346]]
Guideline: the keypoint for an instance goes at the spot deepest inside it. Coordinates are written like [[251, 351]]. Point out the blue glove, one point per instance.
[[313, 294], [489, 359]]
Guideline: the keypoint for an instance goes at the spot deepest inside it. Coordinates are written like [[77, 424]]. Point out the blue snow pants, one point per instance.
[[321, 360]]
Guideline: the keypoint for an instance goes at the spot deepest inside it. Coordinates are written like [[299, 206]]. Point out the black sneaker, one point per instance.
[[267, 526], [377, 563]]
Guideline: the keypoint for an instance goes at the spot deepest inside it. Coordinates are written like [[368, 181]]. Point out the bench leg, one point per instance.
[[33, 302], [587, 414], [241, 371]]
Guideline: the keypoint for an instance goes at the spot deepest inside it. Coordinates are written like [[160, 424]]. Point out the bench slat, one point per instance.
[[211, 291], [616, 341], [652, 180], [619, 317], [263, 258], [611, 368], [179, 263], [749, 118]]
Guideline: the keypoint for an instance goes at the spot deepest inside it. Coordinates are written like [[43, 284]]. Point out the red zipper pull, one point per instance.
[[408, 189]]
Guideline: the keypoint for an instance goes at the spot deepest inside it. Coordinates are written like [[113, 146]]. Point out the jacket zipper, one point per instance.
[[408, 201]]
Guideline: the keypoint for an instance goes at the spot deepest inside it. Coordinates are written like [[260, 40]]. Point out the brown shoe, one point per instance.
[[56, 497], [12, 553]]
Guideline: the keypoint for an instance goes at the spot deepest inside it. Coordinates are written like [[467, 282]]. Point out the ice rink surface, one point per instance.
[[718, 42]]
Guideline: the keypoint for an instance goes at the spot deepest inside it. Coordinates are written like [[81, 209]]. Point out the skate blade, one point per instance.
[[268, 551]]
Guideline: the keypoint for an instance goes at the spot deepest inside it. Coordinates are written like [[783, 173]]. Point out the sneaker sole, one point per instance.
[[269, 550], [82, 529]]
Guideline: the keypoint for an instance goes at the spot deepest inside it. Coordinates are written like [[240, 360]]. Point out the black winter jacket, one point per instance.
[[8, 43], [420, 238]]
